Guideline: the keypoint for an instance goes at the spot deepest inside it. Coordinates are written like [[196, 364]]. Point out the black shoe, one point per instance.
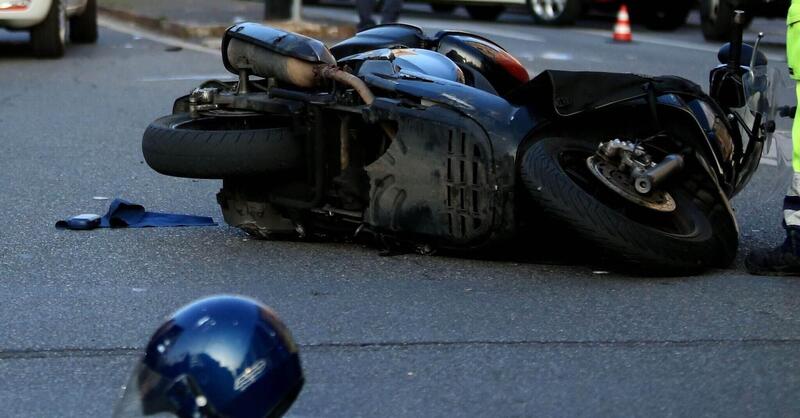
[[778, 261]]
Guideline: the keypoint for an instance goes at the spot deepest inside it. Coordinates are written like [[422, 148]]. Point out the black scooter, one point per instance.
[[444, 142]]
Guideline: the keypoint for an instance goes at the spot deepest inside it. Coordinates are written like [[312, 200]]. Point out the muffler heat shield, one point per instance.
[[270, 52]]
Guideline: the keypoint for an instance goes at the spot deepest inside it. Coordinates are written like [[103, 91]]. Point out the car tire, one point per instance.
[[83, 28], [211, 147], [443, 7], [485, 12], [662, 14], [49, 37], [554, 12], [716, 18]]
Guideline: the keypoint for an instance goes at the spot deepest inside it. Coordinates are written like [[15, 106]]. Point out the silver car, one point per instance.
[[655, 14], [47, 22]]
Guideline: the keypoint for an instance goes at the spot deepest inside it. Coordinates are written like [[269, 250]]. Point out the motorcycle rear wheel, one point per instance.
[[697, 235], [220, 147]]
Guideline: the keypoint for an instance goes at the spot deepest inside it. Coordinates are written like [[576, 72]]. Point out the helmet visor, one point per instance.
[[149, 394]]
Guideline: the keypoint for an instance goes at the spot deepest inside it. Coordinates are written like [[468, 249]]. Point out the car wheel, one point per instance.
[[554, 12], [83, 28], [49, 37], [716, 17], [482, 12], [662, 14]]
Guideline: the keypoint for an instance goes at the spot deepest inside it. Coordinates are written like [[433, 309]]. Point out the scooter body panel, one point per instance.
[[440, 179]]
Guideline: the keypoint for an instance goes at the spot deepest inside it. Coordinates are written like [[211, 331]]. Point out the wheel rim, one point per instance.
[[713, 9], [620, 182], [62, 23], [549, 9], [681, 223]]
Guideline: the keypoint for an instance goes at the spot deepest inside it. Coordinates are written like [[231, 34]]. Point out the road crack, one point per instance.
[[322, 346]]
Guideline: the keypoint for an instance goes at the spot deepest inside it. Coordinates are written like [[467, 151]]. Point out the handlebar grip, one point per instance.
[[736, 40]]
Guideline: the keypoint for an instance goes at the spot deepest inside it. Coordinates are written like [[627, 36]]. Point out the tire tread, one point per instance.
[[217, 154]]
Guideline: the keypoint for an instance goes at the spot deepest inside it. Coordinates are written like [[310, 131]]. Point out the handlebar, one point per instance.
[[736, 40]]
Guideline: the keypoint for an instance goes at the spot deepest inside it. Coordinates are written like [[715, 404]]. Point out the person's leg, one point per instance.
[[785, 259], [791, 203], [364, 8], [391, 11]]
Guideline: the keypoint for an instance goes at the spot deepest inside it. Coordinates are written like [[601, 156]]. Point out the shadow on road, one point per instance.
[[15, 45]]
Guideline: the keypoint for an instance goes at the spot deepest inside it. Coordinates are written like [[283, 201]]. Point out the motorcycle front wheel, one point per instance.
[[220, 147], [698, 234]]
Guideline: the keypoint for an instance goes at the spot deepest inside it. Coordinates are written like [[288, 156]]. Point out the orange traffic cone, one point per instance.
[[622, 29]]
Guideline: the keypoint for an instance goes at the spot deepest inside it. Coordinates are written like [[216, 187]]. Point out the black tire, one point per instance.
[[443, 7], [717, 25], [220, 147], [49, 37], [485, 12], [697, 235], [83, 28], [566, 16], [662, 14]]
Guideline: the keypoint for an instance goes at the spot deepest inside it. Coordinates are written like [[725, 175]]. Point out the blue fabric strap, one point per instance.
[[124, 214]]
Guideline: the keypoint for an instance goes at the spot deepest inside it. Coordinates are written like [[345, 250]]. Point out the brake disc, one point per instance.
[[622, 184]]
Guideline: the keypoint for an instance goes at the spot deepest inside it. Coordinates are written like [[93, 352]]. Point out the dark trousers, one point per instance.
[[389, 14]]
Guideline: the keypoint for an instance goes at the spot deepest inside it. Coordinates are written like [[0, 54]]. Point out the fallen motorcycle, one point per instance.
[[436, 142]]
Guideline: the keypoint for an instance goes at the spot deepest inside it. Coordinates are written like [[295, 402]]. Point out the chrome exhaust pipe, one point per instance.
[[265, 63], [245, 56]]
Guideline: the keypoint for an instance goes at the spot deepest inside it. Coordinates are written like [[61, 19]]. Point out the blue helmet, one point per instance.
[[224, 356]]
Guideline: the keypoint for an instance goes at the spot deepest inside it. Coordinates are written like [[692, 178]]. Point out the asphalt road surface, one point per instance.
[[380, 336]]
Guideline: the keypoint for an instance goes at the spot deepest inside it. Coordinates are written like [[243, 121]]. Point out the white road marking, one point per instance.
[[556, 56], [654, 40], [119, 26], [508, 34], [518, 33], [139, 33], [477, 28]]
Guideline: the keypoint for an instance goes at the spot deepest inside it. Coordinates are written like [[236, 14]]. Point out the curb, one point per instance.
[[322, 31]]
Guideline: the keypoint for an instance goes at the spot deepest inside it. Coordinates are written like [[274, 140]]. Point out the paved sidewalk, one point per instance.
[[209, 18]]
